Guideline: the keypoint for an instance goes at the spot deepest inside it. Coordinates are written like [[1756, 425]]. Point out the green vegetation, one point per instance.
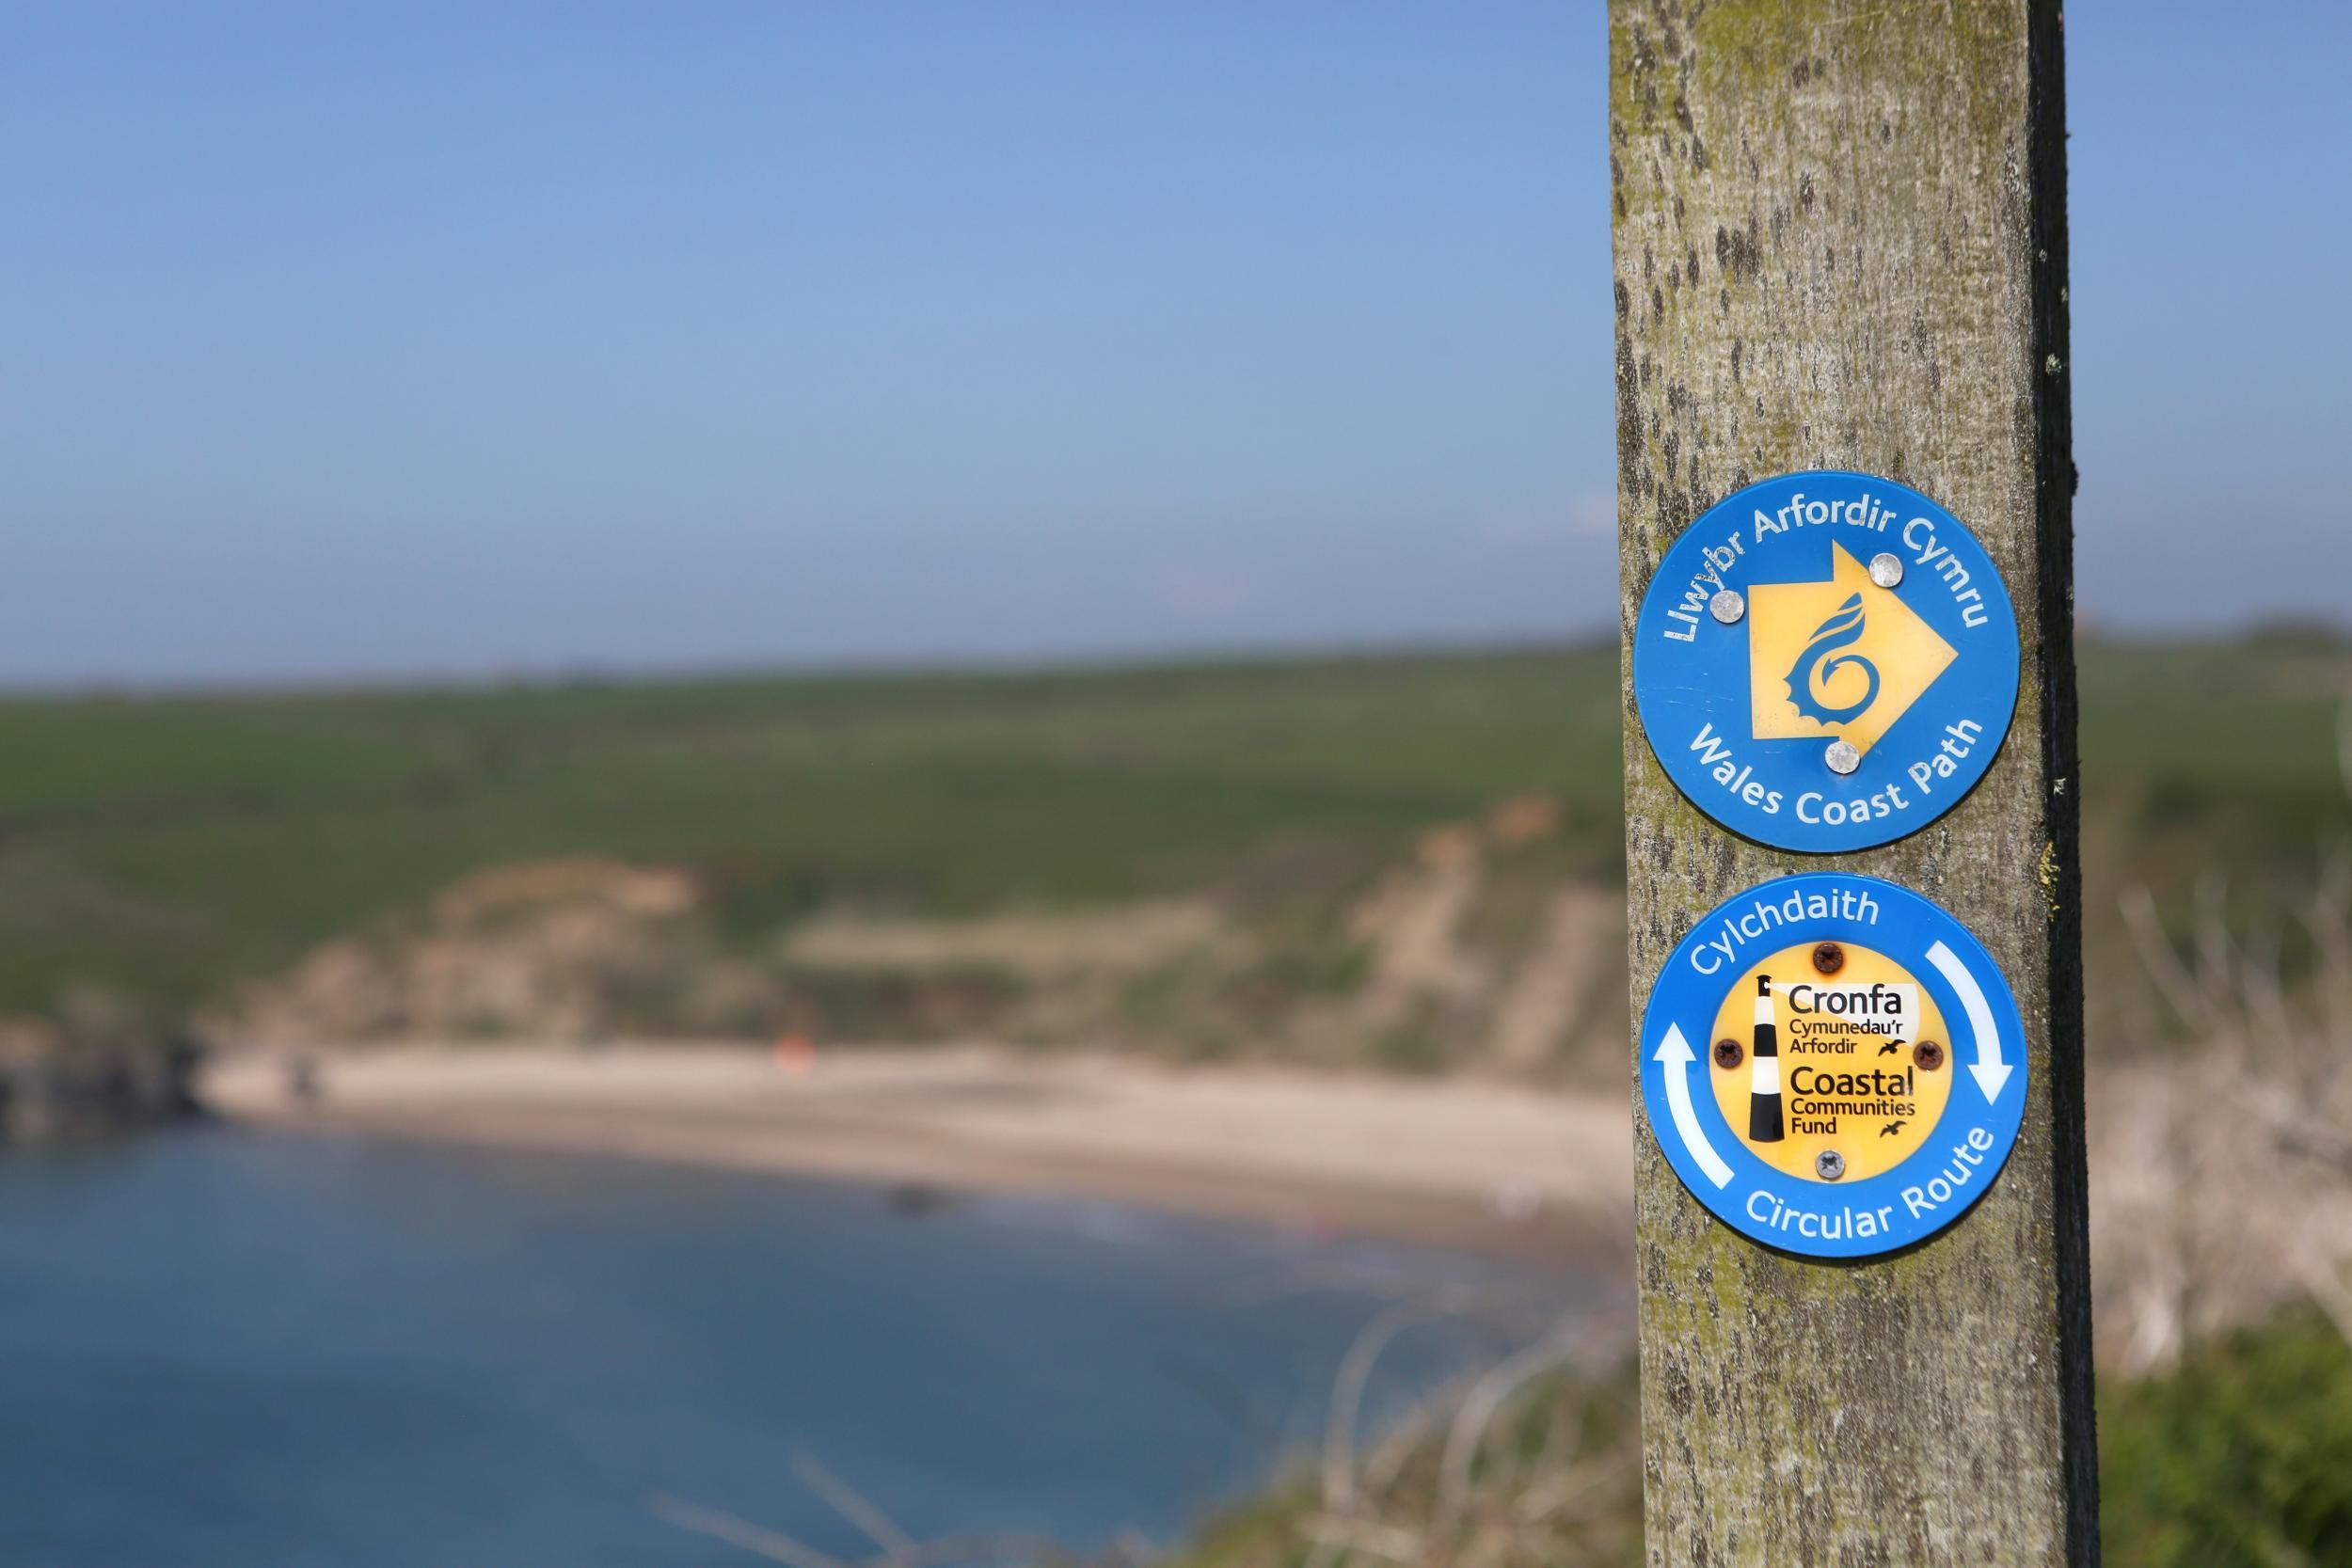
[[2240, 1457], [166, 849], [1553, 1476]]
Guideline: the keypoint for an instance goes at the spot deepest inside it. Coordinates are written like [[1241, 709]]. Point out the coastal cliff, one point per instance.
[[95, 1068]]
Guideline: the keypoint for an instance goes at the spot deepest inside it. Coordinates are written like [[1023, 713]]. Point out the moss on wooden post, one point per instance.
[[1840, 243]]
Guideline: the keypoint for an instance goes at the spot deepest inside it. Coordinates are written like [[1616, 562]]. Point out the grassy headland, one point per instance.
[[169, 851]]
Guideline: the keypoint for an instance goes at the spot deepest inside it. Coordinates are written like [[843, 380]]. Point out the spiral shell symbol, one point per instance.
[[1838, 658], [1814, 666]]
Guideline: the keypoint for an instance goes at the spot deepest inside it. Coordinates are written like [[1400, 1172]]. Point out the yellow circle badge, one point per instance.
[[1830, 1062]]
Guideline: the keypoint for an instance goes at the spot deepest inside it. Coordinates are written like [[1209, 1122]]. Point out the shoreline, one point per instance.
[[1470, 1166]]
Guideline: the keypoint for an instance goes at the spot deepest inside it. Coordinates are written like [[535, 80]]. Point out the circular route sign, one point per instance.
[[1832, 1064], [1826, 662]]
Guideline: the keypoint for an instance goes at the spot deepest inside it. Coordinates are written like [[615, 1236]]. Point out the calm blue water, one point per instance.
[[222, 1348]]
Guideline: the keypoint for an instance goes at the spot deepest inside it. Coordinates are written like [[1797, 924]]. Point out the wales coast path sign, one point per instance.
[[1826, 662], [1833, 1066]]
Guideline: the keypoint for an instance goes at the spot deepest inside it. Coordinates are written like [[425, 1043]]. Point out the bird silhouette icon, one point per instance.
[[1890, 1129], [1890, 1048]]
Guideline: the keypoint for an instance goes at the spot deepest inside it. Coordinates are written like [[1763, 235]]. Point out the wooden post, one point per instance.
[[1840, 243]]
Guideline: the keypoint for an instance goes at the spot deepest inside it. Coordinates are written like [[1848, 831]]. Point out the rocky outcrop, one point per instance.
[[65, 1078]]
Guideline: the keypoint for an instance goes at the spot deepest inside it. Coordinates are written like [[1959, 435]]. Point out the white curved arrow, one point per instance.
[[1674, 1053], [1990, 1071]]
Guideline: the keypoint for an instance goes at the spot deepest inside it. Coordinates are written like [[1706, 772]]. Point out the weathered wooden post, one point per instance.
[[1840, 245]]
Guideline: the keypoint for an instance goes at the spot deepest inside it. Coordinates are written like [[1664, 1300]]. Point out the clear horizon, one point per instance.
[[450, 346]]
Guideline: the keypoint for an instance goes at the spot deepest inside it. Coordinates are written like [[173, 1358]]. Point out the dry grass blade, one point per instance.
[[2161, 964], [976, 1549], [1466, 1437], [1355, 1374], [1022, 1551], [844, 1499], [756, 1539], [1348, 1534]]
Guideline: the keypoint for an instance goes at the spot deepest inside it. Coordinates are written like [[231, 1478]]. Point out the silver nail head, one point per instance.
[[1886, 568], [1831, 1163], [1726, 606], [1844, 757]]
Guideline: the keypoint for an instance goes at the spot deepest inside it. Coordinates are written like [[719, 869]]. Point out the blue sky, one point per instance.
[[343, 342]]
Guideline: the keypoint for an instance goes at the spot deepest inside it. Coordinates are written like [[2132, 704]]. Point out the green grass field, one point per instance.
[[168, 848]]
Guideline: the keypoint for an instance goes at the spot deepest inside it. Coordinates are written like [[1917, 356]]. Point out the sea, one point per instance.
[[248, 1349]]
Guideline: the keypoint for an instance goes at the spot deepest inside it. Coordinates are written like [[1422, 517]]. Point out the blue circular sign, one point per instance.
[[1832, 1064], [1826, 662]]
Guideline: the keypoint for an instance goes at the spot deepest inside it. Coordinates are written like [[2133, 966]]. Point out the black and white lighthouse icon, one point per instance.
[[1764, 1070]]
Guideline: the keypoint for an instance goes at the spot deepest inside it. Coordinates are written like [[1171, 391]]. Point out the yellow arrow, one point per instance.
[[1838, 659]]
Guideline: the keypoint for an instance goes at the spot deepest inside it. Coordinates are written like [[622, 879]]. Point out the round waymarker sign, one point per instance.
[[1833, 1066], [1826, 662]]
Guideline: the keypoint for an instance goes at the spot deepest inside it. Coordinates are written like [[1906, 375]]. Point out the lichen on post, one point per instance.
[[1840, 243]]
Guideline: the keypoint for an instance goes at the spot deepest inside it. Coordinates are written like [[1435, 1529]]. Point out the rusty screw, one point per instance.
[[1728, 1053], [1828, 958], [1929, 1054]]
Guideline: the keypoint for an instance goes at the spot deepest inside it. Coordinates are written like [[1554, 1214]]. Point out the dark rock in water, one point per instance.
[[915, 1197]]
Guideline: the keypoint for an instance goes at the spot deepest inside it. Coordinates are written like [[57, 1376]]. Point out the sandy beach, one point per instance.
[[1488, 1166]]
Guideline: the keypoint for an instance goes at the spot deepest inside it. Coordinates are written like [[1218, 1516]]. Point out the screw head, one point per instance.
[[1728, 1053], [1929, 1054], [1828, 958], [1843, 757], [1728, 606], [1831, 1163], [1886, 568]]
